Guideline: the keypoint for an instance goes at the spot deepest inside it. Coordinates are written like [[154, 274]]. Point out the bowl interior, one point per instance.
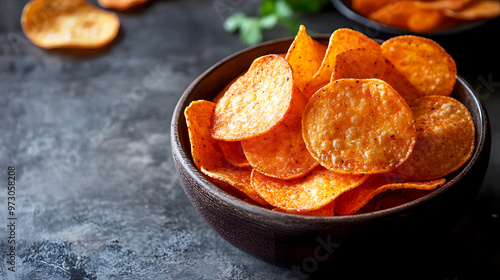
[[209, 84]]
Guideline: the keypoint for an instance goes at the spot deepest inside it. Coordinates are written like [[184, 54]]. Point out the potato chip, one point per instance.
[[313, 191], [484, 9], [204, 149], [395, 14], [351, 201], [341, 40], [256, 102], [366, 7], [443, 4], [445, 138], [425, 63], [426, 21], [239, 178], [206, 153], [325, 211], [366, 64], [120, 5], [233, 152], [68, 24], [360, 126], [305, 56], [281, 152], [393, 198]]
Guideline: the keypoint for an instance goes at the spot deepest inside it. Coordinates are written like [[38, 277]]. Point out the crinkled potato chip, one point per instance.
[[484, 9], [445, 138], [360, 126], [313, 191], [120, 5], [352, 201], [281, 152], [238, 178], [424, 62], [233, 152], [256, 102], [305, 56], [366, 64], [68, 24], [341, 40]]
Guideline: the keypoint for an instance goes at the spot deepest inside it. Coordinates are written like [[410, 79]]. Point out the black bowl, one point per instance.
[[288, 239]]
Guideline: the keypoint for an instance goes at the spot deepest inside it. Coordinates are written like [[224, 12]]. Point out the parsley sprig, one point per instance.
[[271, 13]]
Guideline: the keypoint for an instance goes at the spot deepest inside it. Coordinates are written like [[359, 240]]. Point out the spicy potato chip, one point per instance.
[[445, 138], [255, 102], [281, 152], [313, 191], [305, 56], [360, 126], [120, 5], [238, 178], [325, 211], [393, 198], [206, 153], [366, 64], [366, 7], [424, 63], [68, 24], [484, 9], [341, 40], [425, 20], [353, 200], [233, 152]]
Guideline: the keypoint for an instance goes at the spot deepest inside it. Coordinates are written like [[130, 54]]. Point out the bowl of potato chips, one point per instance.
[[429, 17], [306, 148]]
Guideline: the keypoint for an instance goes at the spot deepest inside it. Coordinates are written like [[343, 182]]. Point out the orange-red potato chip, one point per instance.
[[425, 63], [238, 178], [445, 138], [68, 24], [395, 14], [426, 21], [341, 40], [207, 154], [443, 4], [325, 211], [313, 191], [360, 126], [484, 9], [120, 5], [305, 56], [351, 201], [366, 64], [256, 102], [281, 152], [366, 7], [393, 198], [233, 152], [204, 149]]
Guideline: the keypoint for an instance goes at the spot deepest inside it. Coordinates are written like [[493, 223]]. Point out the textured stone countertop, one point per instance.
[[97, 195]]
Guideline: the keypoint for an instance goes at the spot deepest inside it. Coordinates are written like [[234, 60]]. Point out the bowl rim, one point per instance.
[[404, 209]]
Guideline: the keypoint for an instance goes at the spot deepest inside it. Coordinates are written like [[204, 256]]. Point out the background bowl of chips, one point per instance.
[[289, 239], [445, 27]]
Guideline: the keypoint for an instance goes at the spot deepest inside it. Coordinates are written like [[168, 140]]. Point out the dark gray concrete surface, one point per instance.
[[97, 196]]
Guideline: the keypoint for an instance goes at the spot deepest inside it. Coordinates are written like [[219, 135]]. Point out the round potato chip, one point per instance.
[[360, 126], [305, 56], [325, 211], [68, 24], [256, 102], [445, 138], [238, 178], [313, 191], [425, 63], [484, 9], [233, 152], [281, 152], [366, 64], [341, 40], [351, 201]]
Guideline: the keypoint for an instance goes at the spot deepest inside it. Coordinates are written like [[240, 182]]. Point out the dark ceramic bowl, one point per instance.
[[289, 239], [374, 28]]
